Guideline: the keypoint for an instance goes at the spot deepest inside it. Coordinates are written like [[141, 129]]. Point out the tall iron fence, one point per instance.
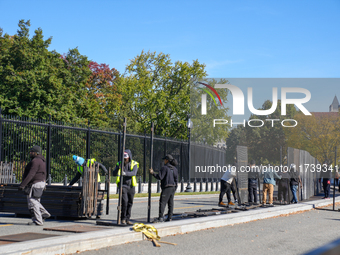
[[60, 141]]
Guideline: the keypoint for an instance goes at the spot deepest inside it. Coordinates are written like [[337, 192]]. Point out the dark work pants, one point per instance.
[[233, 189], [225, 188], [326, 187], [252, 192], [283, 190], [127, 202], [167, 197]]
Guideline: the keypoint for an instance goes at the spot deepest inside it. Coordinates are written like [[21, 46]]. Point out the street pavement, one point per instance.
[[288, 236], [293, 234]]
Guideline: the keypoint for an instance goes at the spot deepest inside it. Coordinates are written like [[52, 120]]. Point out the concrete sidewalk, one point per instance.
[[72, 243]]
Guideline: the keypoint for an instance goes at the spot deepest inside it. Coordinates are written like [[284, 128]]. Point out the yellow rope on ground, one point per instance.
[[148, 230]]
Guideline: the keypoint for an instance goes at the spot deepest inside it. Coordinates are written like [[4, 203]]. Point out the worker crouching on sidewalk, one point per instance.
[[168, 175], [33, 184], [129, 183]]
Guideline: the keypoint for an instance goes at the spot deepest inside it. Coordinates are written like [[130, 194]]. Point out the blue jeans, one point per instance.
[[294, 188]]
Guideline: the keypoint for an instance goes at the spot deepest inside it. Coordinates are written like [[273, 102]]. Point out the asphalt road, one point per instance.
[[293, 234]]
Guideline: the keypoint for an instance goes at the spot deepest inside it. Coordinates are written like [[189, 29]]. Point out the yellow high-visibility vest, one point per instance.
[[133, 179], [90, 162]]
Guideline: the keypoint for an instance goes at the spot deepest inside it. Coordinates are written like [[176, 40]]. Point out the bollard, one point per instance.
[[81, 181], [206, 185], [65, 180], [201, 185], [140, 185], [195, 182], [49, 179], [158, 186], [182, 185]]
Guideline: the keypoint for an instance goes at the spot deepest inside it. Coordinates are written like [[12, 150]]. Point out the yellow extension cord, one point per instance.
[[148, 230]]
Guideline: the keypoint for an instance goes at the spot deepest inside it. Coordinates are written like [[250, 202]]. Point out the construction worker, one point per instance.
[[80, 169], [129, 183], [168, 175], [33, 184], [226, 184]]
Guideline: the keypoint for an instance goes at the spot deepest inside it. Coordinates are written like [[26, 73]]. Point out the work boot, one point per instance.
[[129, 222], [45, 216], [168, 219], [123, 222], [221, 204], [157, 220], [231, 203]]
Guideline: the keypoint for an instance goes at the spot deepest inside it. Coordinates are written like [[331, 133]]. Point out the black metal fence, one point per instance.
[[60, 141]]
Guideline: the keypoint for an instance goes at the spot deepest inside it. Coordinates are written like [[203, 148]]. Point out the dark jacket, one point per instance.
[[127, 171], [253, 176], [168, 175], [294, 178], [35, 171]]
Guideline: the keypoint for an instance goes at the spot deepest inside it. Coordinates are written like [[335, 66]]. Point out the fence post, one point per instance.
[[182, 184], [216, 183], [50, 179], [144, 164], [195, 182], [48, 149], [0, 135], [206, 184], [81, 181], [88, 141], [201, 185], [140, 185], [65, 180], [212, 185], [158, 186]]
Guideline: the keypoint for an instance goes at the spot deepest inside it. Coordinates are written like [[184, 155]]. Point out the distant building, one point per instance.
[[334, 107]]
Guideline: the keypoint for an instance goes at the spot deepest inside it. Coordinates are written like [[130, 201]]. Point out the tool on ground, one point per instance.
[[150, 232]]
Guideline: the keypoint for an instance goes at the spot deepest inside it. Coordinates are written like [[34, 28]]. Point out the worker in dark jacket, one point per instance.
[[34, 181], [168, 175], [253, 176], [326, 176], [295, 180], [129, 183]]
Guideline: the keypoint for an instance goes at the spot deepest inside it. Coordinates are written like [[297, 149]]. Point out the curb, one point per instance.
[[96, 240]]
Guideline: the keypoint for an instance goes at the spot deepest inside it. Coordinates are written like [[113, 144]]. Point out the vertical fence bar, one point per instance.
[[0, 135], [144, 163], [48, 149], [88, 141]]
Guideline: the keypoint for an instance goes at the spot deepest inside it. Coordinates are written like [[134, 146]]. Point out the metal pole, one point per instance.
[[334, 180], [0, 135], [188, 188], [48, 149], [280, 155], [121, 176], [150, 175], [144, 164], [88, 141]]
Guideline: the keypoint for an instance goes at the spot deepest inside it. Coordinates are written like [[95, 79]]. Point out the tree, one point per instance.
[[316, 134], [39, 83], [156, 90]]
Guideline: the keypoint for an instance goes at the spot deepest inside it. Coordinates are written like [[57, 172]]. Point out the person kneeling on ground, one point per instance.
[[168, 175]]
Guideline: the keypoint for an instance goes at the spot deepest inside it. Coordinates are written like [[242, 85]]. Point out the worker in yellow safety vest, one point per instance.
[[129, 183], [80, 168]]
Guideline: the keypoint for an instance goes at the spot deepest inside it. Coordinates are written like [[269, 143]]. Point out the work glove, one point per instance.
[[123, 173], [151, 171], [20, 188]]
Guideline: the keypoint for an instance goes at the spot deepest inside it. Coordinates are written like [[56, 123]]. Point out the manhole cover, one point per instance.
[[76, 228], [24, 237]]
